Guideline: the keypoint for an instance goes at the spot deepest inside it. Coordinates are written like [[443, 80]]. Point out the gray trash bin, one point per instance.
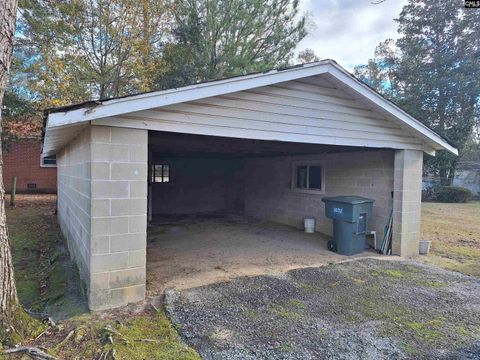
[[350, 216]]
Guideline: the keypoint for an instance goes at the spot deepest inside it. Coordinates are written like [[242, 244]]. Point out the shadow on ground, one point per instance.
[[47, 280], [369, 309]]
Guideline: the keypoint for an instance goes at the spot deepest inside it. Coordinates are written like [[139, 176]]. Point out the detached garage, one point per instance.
[[265, 146]]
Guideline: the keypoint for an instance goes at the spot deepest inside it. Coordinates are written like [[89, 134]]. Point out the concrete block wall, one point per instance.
[[102, 207], [268, 192], [407, 202], [118, 216], [73, 179]]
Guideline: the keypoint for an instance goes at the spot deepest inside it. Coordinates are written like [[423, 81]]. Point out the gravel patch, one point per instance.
[[365, 309]]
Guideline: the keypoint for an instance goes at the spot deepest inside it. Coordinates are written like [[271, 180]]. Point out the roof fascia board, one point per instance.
[[338, 72], [189, 93]]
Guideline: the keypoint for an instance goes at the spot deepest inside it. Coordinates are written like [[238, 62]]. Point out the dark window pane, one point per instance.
[[301, 177], [157, 173], [50, 160], [315, 177], [166, 173]]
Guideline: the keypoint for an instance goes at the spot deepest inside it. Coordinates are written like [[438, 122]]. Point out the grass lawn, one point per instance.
[[455, 233], [48, 285]]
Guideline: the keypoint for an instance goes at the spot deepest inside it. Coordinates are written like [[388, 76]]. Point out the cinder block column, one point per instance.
[[118, 216], [407, 202]]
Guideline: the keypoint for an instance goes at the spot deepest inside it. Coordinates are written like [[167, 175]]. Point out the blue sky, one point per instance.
[[349, 30]]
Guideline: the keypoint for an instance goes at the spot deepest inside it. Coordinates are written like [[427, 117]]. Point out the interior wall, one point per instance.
[[261, 186], [268, 193], [198, 185]]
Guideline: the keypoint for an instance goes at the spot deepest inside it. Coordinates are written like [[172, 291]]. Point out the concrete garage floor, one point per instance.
[[186, 252]]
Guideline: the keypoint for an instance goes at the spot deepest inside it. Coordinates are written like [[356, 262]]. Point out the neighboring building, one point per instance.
[[468, 175], [267, 145], [22, 158]]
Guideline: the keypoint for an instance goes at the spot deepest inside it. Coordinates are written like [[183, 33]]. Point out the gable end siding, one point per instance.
[[292, 111]]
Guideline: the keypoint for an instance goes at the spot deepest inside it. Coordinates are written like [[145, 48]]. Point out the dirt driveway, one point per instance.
[[365, 309]]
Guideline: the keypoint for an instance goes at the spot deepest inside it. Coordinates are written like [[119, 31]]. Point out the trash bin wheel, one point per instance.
[[331, 245]]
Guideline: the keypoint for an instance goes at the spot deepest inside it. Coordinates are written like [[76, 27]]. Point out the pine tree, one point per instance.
[[433, 71]]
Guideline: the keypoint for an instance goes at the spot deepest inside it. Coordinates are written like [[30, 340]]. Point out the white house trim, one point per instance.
[[188, 93], [62, 126], [371, 95]]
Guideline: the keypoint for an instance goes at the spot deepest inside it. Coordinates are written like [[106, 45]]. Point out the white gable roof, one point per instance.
[[63, 124]]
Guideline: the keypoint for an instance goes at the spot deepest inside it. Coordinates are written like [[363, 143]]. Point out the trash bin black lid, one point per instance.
[[350, 199]]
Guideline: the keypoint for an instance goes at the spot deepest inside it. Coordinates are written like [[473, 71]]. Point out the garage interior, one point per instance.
[[205, 222]]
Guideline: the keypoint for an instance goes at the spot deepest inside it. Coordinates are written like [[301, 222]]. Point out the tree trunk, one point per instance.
[[451, 172], [443, 176], [8, 291]]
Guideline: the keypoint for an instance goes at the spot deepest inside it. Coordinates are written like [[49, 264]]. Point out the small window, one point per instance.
[[48, 161], [160, 173], [308, 177]]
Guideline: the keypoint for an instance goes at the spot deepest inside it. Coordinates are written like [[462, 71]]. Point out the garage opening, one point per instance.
[[220, 208]]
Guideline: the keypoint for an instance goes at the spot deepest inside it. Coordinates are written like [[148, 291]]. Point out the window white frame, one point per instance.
[[308, 164], [42, 162]]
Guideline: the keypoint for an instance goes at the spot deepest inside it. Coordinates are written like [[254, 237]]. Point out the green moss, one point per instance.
[[463, 331], [308, 288], [286, 347], [251, 314], [390, 272], [358, 281], [142, 337], [426, 331], [42, 269], [28, 292], [159, 328], [286, 313], [57, 282], [410, 274], [296, 304], [24, 327], [373, 288], [467, 331], [291, 309], [397, 320], [431, 283], [409, 348]]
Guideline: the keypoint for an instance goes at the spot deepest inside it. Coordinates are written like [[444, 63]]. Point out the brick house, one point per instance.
[[22, 158], [268, 145]]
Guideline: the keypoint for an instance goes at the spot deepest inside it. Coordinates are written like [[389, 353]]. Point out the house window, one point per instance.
[[308, 177], [160, 173], [48, 161]]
